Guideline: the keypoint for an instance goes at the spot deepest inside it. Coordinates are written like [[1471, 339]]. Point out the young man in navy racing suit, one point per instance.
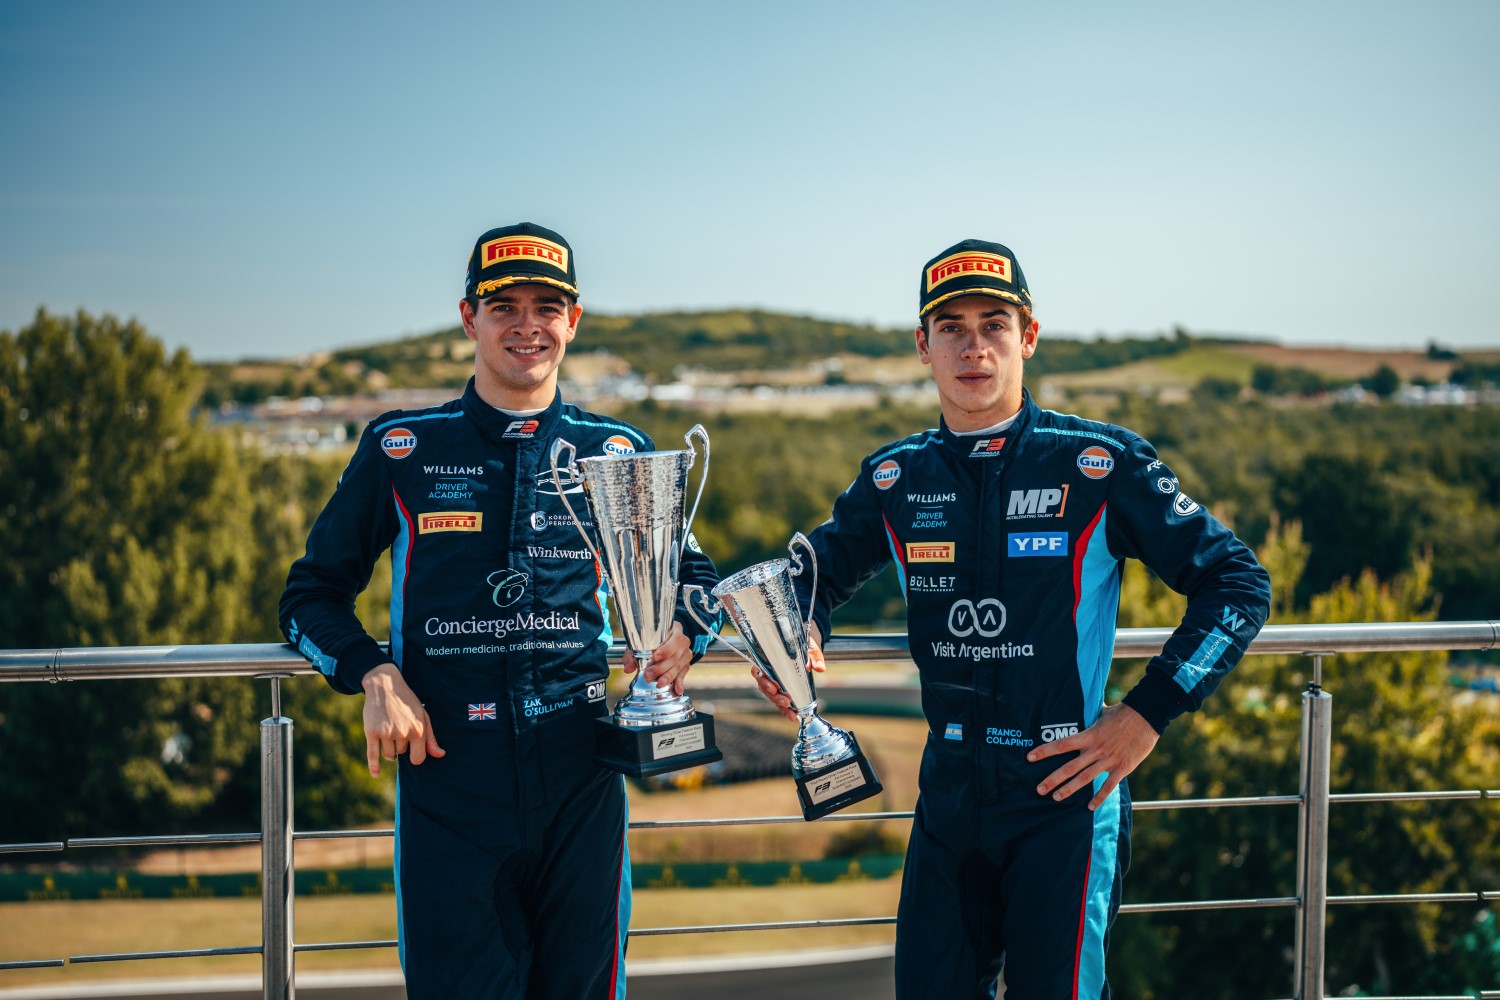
[[512, 870], [1008, 525]]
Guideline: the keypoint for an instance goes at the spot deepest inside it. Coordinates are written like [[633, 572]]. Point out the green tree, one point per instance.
[[127, 522], [1383, 382], [1397, 726]]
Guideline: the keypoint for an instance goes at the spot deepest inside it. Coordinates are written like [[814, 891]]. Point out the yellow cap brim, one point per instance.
[[495, 284]]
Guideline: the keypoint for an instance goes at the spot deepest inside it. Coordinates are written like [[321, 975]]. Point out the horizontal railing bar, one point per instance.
[[36, 963], [342, 834], [1466, 793], [1249, 800], [279, 659], [1148, 805], [343, 945], [678, 824], [167, 840], [1418, 897], [1209, 904], [778, 925], [135, 956], [51, 845]]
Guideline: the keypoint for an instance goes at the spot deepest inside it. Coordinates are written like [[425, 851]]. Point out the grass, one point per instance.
[[40, 930], [57, 930]]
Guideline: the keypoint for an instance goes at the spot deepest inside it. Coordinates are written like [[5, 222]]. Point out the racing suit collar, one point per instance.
[[497, 425], [980, 448]]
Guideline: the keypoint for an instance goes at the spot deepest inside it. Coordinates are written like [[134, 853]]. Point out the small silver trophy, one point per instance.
[[636, 501], [830, 770]]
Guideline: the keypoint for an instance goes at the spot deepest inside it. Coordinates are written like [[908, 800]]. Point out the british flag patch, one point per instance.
[[482, 713]]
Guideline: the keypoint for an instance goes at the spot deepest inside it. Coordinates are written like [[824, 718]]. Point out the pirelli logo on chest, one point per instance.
[[929, 552], [970, 262], [462, 520], [533, 247]]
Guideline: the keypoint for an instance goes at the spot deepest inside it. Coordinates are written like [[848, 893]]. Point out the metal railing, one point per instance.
[[274, 662]]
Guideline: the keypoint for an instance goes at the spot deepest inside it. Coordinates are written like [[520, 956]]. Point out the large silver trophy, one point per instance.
[[636, 501], [830, 770]]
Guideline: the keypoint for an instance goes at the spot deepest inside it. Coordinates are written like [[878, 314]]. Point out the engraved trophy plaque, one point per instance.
[[636, 501], [830, 770]]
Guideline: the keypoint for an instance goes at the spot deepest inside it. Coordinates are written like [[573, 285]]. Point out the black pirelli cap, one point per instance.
[[519, 255], [973, 267]]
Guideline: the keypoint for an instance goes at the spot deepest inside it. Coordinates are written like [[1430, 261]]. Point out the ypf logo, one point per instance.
[[1095, 462], [985, 618], [398, 442], [508, 586], [618, 445], [886, 474]]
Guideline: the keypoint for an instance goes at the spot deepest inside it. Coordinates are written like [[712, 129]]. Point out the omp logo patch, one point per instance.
[[929, 551], [1095, 462], [398, 442], [532, 247], [1059, 731], [970, 262], [449, 520], [886, 474]]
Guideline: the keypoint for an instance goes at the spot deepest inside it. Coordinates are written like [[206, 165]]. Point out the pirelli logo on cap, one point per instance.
[[970, 262], [461, 520], [533, 247], [929, 552]]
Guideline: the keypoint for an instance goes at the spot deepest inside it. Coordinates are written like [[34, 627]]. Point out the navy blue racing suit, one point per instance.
[[512, 869], [1010, 551]]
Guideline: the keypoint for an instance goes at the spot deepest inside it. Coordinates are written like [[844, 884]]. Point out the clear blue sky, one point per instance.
[[270, 178]]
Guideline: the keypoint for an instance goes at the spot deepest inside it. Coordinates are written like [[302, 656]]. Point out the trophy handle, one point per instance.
[[702, 480], [800, 539], [691, 589], [558, 447]]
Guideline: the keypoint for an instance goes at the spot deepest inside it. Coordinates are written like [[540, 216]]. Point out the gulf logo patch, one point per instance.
[[398, 442], [618, 445], [886, 474], [1095, 462]]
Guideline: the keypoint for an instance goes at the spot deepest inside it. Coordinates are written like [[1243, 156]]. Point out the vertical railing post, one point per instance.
[[1312, 836], [276, 852]]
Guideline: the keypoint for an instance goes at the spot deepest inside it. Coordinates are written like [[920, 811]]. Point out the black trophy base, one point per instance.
[[831, 788], [654, 750]]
